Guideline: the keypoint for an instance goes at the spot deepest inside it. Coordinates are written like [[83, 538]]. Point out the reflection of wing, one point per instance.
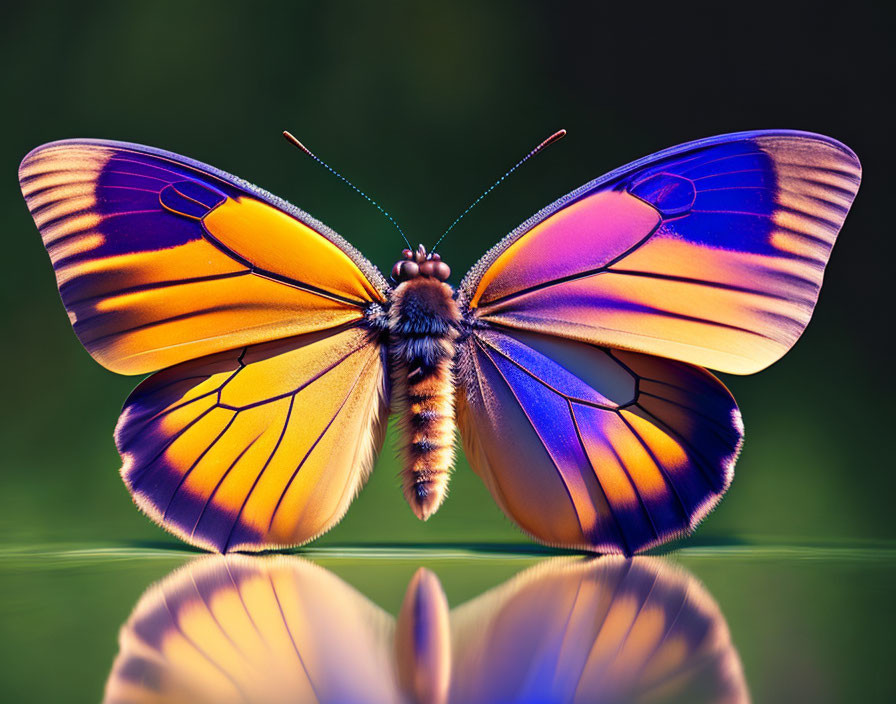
[[239, 629], [591, 448], [710, 253], [601, 630], [260, 447], [161, 259]]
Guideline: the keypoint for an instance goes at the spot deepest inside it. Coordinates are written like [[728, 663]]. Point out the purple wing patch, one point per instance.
[[158, 258], [190, 199], [670, 194], [710, 253], [592, 448]]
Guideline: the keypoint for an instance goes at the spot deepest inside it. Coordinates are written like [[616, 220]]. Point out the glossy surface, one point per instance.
[[238, 629], [150, 625]]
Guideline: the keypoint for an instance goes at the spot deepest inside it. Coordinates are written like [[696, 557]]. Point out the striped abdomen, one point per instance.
[[423, 322]]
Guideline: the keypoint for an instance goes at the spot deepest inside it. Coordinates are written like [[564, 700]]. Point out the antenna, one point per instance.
[[295, 142], [559, 134]]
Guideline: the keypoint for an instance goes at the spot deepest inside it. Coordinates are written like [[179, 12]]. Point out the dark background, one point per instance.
[[423, 106]]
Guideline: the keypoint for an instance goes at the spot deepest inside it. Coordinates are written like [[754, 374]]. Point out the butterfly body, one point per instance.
[[580, 384], [424, 322]]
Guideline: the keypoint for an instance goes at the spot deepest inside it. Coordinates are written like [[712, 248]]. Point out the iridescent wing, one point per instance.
[[240, 629], [160, 259], [593, 448], [601, 630], [268, 420], [260, 447], [711, 253]]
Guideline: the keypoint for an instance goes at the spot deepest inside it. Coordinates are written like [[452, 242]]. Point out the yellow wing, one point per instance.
[[261, 447], [160, 259]]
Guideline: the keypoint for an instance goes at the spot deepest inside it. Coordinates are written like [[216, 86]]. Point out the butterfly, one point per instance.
[[241, 628], [572, 356]]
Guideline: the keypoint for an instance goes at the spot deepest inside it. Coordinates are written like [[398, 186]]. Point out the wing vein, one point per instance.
[[695, 456], [248, 495], [317, 441], [540, 438], [196, 462], [619, 529], [659, 465]]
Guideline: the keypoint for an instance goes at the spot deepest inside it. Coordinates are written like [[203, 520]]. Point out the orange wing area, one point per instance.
[[589, 448], [160, 259], [600, 630], [228, 630], [261, 447], [710, 253]]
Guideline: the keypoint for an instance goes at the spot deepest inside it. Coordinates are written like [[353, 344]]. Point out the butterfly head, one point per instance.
[[418, 263]]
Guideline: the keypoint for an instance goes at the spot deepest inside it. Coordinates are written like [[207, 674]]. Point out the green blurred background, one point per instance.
[[423, 105]]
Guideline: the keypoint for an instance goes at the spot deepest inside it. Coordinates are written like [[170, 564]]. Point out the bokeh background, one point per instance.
[[423, 105]]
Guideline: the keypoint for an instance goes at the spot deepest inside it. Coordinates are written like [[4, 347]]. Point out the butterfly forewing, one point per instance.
[[160, 259], [710, 253]]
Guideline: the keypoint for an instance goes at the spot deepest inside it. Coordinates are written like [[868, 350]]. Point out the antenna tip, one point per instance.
[[559, 134], [295, 142]]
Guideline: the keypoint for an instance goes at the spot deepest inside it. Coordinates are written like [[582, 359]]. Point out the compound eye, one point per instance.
[[408, 270], [441, 271]]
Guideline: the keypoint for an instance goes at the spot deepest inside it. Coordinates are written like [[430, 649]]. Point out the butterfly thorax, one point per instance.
[[423, 325]]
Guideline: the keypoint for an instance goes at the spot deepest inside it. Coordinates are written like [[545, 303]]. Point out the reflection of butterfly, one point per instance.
[[250, 629], [573, 344]]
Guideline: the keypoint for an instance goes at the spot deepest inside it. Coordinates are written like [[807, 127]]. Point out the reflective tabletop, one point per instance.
[[447, 623]]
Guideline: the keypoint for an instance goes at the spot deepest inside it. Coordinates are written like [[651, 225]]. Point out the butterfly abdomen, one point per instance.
[[423, 322]]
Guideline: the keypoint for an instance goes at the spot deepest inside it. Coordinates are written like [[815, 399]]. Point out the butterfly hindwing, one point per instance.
[[711, 253], [594, 448], [259, 447], [160, 259]]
